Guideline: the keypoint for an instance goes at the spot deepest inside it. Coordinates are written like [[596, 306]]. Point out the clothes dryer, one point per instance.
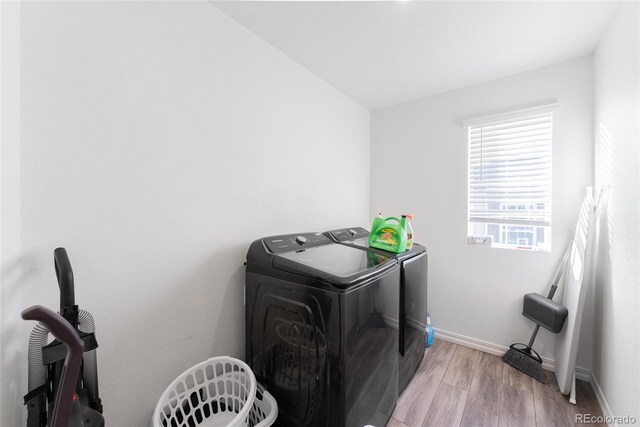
[[412, 298]]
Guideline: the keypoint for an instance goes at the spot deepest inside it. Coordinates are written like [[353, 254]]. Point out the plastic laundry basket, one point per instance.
[[217, 392], [264, 410]]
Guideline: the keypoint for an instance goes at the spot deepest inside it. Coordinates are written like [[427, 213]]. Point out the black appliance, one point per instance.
[[320, 331], [413, 298]]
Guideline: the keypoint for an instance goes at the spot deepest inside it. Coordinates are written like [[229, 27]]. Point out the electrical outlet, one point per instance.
[[480, 240]]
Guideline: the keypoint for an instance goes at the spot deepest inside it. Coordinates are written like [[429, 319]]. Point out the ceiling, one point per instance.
[[385, 53]]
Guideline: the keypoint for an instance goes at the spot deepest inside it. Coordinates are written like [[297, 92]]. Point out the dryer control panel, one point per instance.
[[346, 234], [294, 242]]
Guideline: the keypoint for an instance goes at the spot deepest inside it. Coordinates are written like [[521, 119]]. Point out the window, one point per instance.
[[510, 178]]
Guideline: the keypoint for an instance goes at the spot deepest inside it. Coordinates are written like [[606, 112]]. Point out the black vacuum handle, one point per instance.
[[63, 331], [64, 274]]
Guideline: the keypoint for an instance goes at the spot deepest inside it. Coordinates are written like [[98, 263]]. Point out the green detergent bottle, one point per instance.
[[389, 234]]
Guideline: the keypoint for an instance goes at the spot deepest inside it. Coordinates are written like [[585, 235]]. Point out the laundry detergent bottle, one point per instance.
[[409, 229], [389, 234]]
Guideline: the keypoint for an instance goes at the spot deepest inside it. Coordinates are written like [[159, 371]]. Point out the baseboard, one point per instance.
[[604, 405], [583, 374], [498, 350]]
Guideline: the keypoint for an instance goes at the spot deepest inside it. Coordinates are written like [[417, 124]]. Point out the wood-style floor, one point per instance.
[[459, 386]]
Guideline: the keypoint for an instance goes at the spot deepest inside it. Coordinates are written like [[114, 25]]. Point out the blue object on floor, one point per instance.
[[430, 332]]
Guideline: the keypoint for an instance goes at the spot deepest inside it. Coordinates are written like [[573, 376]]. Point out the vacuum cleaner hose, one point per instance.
[[37, 371], [39, 338], [85, 321]]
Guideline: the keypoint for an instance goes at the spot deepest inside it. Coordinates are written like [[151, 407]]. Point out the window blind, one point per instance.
[[510, 169]]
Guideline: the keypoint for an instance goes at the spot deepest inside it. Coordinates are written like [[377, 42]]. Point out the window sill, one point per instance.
[[513, 248]]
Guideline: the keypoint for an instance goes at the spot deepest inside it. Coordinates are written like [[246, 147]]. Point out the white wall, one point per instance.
[[157, 140], [419, 165], [15, 266], [617, 290]]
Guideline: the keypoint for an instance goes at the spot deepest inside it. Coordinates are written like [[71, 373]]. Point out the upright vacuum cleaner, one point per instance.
[[63, 331], [46, 361]]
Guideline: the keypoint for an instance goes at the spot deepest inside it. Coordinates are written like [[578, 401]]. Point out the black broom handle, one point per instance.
[[561, 268], [554, 287], [533, 336]]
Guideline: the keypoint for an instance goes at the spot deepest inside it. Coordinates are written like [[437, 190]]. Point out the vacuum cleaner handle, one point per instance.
[[65, 278], [64, 332]]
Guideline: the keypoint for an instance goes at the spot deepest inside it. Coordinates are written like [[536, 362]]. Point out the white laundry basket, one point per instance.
[[264, 410], [215, 393]]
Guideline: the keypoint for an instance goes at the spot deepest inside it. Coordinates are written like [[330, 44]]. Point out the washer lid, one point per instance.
[[337, 264], [363, 244], [359, 237]]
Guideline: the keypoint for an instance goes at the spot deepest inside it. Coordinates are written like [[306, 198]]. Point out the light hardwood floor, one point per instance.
[[459, 386]]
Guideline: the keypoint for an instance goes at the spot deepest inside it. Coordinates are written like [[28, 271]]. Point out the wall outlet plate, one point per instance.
[[480, 240]]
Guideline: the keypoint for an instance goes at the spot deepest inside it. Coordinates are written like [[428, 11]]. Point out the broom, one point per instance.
[[523, 357]]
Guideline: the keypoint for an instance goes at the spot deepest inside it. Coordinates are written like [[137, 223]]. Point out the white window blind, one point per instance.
[[510, 177]]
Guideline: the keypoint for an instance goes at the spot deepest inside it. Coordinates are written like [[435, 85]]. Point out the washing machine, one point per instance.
[[318, 335], [413, 298]]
